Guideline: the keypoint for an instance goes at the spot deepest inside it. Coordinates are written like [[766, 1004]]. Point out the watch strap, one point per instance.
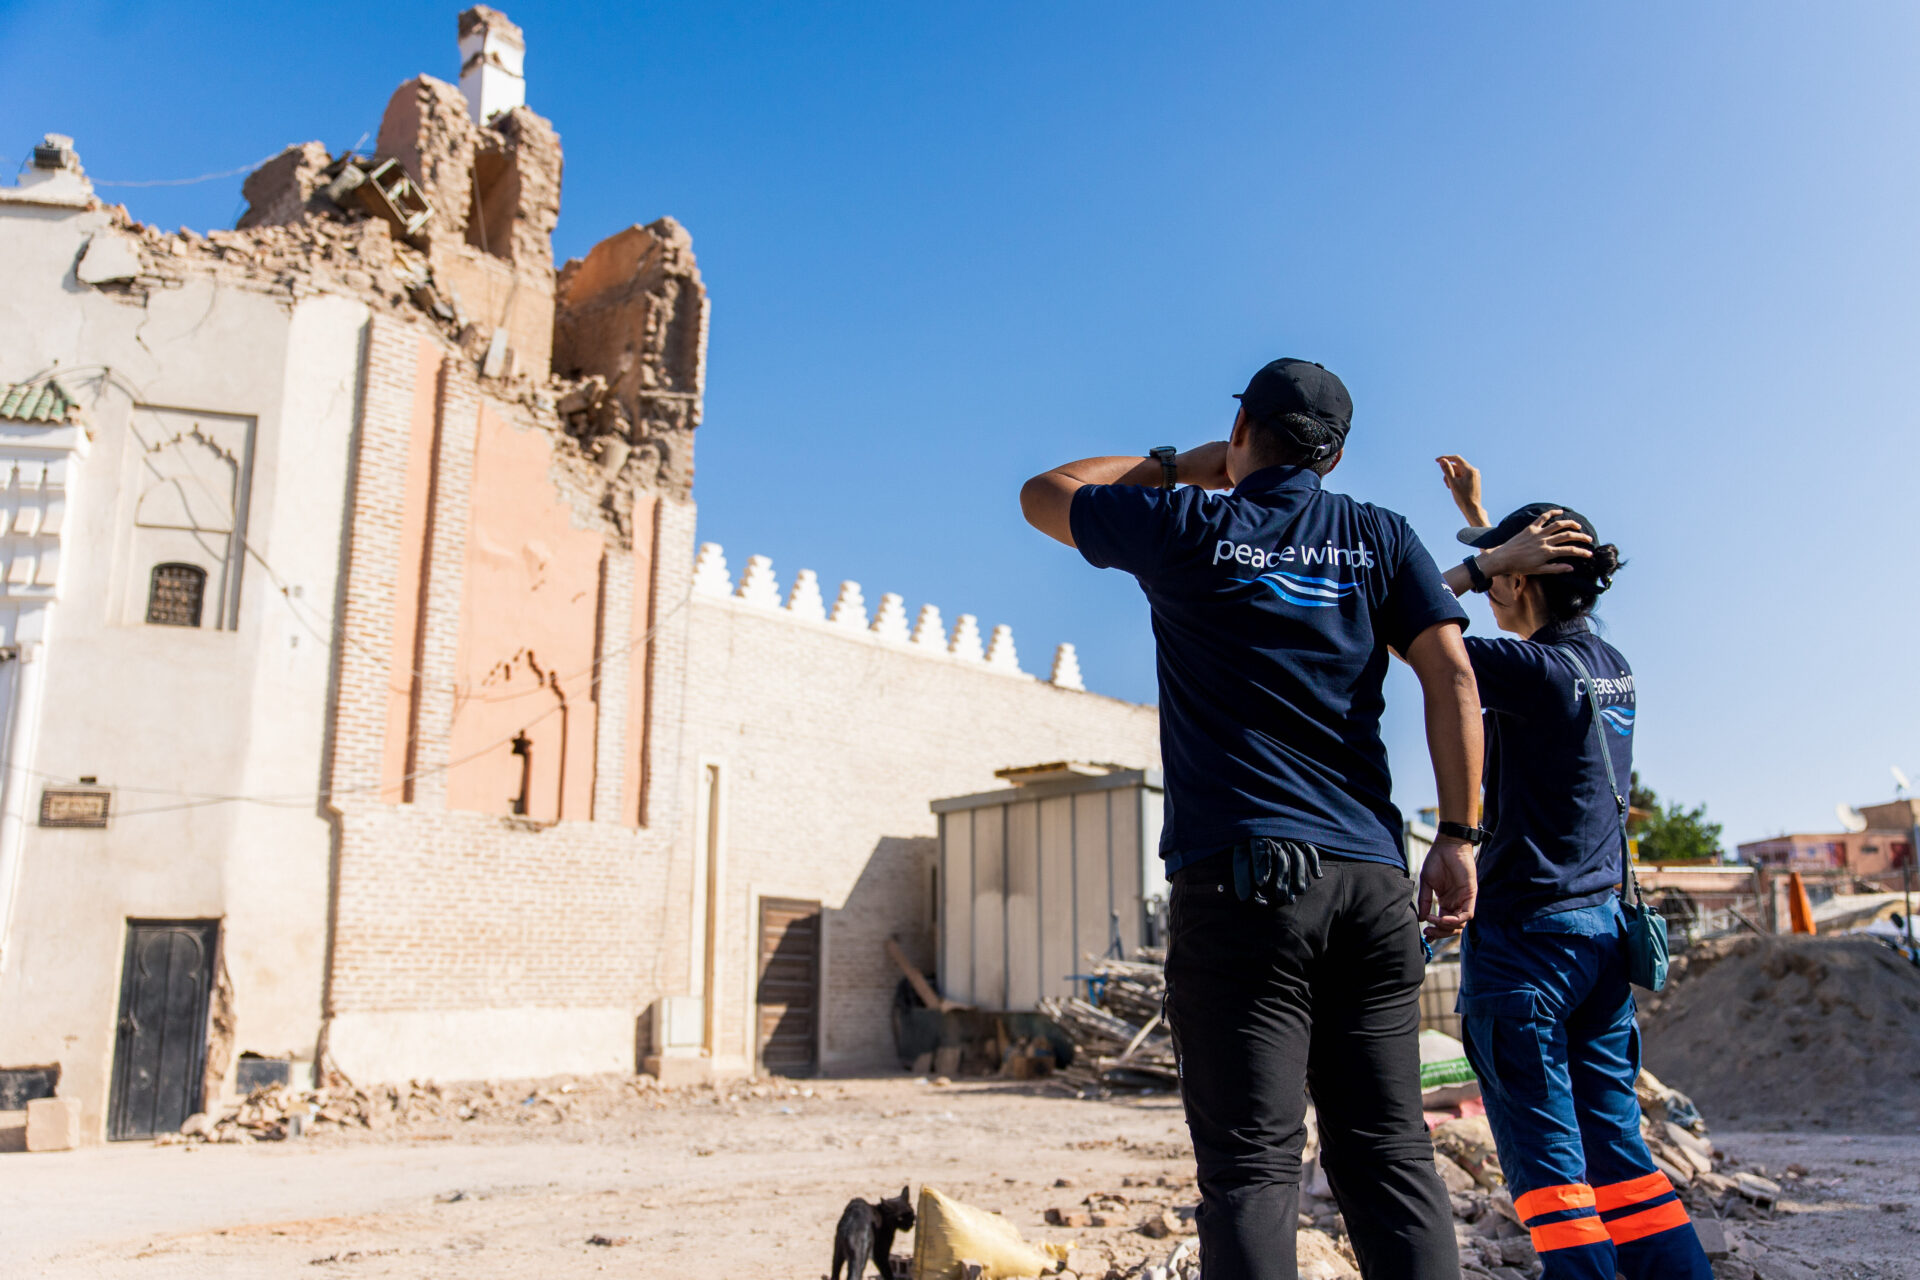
[[1476, 576], [1166, 456], [1461, 831]]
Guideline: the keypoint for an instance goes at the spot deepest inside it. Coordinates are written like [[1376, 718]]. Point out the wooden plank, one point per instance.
[[1090, 876], [989, 908], [956, 907], [918, 981], [1058, 957], [1023, 905]]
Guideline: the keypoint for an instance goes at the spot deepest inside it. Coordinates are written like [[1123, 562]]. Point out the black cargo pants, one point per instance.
[[1268, 1002]]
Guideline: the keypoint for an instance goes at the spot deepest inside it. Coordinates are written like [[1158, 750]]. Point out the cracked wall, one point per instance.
[[632, 326]]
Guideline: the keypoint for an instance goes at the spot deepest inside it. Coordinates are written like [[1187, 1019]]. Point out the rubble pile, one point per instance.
[[275, 1114], [1784, 1031], [1122, 1041]]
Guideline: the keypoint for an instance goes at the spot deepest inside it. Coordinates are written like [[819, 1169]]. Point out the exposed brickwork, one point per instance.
[[447, 526], [362, 727]]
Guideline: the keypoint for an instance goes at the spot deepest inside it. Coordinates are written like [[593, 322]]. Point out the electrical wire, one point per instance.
[[188, 182]]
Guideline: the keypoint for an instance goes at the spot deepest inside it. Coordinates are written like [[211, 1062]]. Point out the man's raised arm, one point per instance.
[[1438, 657], [1047, 499]]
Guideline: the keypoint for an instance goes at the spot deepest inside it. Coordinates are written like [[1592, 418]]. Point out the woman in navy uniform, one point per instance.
[[1546, 1009]]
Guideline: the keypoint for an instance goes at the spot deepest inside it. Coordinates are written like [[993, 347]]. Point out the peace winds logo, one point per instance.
[[1298, 588], [1619, 719]]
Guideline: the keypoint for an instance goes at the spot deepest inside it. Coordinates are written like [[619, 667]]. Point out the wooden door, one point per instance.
[[788, 994], [160, 1050]]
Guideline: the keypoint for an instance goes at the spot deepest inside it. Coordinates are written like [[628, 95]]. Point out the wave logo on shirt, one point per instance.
[[1619, 719], [1298, 588]]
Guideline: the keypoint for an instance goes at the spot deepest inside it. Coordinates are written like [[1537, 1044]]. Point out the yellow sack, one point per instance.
[[947, 1233]]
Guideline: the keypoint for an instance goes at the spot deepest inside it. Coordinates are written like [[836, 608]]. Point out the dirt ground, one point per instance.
[[742, 1188]]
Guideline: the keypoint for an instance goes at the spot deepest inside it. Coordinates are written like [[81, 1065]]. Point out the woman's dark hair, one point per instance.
[[1573, 595]]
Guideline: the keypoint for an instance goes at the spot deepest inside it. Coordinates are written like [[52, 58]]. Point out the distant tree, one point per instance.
[[1670, 833], [1639, 795]]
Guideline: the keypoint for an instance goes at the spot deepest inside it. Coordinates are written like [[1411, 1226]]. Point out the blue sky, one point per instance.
[[1660, 262]]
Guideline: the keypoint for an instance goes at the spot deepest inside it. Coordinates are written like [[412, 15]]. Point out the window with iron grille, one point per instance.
[[175, 597]]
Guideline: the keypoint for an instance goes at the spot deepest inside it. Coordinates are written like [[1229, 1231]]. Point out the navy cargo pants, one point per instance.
[[1548, 1020]]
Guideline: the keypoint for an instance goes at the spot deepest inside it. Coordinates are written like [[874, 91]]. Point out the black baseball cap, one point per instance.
[[1300, 386], [1483, 536]]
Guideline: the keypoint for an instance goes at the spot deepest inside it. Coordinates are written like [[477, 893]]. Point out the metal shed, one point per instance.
[[1034, 878]]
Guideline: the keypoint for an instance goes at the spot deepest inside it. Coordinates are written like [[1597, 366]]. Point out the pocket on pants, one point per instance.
[[1505, 1040]]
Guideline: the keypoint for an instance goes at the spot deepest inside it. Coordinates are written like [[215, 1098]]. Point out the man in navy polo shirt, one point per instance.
[[1294, 962]]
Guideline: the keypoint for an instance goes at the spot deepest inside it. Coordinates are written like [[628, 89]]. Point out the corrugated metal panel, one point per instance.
[[990, 908], [36, 402], [1037, 879], [1123, 838], [956, 898], [1023, 904], [1057, 945], [1092, 877]]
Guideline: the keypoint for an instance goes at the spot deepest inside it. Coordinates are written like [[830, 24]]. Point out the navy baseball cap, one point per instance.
[[1300, 386], [1484, 536]]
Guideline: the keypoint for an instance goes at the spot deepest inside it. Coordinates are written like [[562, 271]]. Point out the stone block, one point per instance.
[[1713, 1237], [53, 1124], [675, 1071]]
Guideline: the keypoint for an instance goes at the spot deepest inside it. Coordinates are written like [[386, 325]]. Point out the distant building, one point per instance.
[[1873, 852], [1835, 862]]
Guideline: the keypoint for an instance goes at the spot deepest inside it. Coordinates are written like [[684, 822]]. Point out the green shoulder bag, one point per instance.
[[1646, 928]]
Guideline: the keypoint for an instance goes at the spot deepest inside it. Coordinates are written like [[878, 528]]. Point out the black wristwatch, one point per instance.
[[1461, 831], [1477, 577], [1169, 470]]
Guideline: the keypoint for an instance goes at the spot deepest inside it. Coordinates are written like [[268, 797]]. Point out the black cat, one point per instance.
[[867, 1231]]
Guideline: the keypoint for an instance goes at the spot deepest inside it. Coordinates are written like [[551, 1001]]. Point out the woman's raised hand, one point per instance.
[[1541, 547], [1462, 479]]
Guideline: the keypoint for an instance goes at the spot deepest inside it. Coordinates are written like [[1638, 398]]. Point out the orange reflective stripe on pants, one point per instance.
[[1567, 1195], [1618, 1195], [1568, 1235], [1648, 1222]]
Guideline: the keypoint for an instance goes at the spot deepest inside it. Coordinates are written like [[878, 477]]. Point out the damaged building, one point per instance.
[[371, 707]]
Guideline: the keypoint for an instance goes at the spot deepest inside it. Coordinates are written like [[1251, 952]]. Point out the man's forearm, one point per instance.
[[1453, 740], [1135, 470], [1438, 657]]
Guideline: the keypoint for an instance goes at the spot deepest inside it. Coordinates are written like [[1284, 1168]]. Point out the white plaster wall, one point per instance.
[[481, 1044], [833, 744], [167, 714]]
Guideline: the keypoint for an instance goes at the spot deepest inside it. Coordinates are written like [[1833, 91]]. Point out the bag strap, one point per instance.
[[1629, 886]]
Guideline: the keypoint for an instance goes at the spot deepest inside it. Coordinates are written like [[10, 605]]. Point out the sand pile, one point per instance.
[[1773, 1032]]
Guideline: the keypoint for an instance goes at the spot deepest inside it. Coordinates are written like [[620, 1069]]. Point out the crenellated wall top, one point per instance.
[[924, 633]]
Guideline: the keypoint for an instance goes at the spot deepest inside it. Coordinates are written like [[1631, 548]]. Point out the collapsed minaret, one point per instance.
[[470, 176]]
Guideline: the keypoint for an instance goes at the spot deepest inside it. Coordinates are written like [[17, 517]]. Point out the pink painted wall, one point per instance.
[[528, 628], [633, 788]]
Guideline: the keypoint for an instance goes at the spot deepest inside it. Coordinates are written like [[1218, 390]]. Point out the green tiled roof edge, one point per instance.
[[35, 402]]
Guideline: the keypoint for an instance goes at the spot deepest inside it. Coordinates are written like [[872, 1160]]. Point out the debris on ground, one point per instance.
[[575, 1103], [1120, 1038], [1768, 1032]]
